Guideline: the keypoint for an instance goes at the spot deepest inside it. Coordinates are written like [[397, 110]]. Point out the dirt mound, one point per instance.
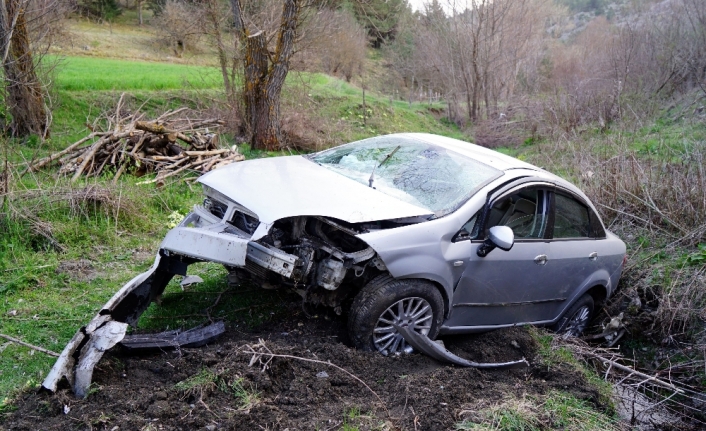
[[221, 387]]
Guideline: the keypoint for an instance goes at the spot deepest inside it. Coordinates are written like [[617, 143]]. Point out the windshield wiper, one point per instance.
[[387, 157]]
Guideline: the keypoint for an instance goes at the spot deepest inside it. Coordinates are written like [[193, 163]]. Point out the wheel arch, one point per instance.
[[599, 293], [439, 286]]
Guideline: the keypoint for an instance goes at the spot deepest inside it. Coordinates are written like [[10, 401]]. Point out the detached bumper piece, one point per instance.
[[108, 328], [195, 337], [436, 351]]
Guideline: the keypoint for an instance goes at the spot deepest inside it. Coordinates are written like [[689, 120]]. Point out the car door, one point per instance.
[[575, 247], [512, 286]]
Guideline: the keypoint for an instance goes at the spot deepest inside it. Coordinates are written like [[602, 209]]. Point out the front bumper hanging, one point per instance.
[[108, 327]]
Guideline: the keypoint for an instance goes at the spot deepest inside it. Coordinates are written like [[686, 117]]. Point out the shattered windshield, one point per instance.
[[410, 170]]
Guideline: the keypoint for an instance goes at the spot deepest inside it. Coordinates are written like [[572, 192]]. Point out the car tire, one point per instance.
[[372, 311], [576, 318]]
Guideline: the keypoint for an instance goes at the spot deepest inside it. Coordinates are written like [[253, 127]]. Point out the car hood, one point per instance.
[[280, 187]]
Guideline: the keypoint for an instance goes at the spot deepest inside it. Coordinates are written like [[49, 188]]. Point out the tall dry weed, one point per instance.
[[655, 201]]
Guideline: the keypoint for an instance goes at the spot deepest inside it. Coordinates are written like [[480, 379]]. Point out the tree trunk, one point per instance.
[[264, 77], [25, 97], [139, 11], [261, 104]]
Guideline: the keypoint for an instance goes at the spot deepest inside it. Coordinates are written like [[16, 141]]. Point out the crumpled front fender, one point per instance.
[[109, 326]]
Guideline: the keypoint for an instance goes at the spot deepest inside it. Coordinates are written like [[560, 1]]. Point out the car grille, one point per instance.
[[245, 222], [215, 207], [256, 269]]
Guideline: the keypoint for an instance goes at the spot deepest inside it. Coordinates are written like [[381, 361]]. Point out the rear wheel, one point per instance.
[[576, 318], [384, 302]]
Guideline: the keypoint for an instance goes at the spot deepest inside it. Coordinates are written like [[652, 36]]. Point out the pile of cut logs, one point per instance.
[[141, 147]]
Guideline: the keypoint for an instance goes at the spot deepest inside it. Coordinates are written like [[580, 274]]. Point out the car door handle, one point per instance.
[[541, 259], [593, 256]]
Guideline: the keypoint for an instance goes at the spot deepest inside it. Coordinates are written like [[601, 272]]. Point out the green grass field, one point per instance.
[[102, 74]]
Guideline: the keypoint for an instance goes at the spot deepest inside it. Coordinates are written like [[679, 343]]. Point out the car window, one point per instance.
[[525, 212], [571, 219], [411, 170], [470, 229]]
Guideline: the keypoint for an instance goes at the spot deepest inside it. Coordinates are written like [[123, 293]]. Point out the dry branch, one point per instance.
[[134, 145], [31, 346]]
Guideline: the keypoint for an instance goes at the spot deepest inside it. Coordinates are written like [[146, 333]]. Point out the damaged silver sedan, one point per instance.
[[399, 231]]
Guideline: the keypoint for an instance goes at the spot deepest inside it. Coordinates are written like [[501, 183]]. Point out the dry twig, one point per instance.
[[31, 346]]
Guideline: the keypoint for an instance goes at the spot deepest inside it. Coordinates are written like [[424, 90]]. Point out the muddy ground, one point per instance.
[[208, 387]]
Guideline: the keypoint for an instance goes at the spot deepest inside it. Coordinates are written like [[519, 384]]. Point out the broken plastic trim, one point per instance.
[[194, 337], [434, 350], [108, 328]]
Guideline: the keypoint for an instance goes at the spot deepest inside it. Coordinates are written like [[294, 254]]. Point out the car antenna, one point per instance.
[[387, 157]]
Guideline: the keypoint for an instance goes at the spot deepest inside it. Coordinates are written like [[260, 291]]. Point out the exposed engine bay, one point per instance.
[[329, 261]]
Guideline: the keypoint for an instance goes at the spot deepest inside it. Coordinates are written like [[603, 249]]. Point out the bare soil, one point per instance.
[[411, 392]]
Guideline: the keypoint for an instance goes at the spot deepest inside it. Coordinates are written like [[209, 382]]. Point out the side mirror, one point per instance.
[[501, 237]]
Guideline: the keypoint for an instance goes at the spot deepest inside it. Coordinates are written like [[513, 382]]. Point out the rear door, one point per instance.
[[576, 247]]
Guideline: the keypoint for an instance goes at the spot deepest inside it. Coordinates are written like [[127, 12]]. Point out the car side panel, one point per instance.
[[425, 250]]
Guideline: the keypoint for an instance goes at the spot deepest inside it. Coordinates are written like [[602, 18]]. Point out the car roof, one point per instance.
[[484, 155]]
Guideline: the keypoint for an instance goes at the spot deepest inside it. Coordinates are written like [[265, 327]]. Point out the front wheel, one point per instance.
[[576, 318], [386, 301]]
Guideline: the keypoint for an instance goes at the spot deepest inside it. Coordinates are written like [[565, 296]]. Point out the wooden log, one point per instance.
[[167, 158], [122, 168], [207, 153], [139, 144], [212, 141], [228, 161], [203, 123], [185, 138], [213, 160], [175, 149], [174, 165], [170, 174], [31, 346], [85, 158], [47, 160], [100, 168], [152, 127]]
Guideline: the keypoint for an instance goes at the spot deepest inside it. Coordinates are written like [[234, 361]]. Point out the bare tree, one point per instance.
[[180, 24], [474, 51], [24, 93], [332, 41], [214, 18]]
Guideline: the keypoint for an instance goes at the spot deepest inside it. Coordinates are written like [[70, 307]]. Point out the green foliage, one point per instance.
[[103, 9], [355, 420], [698, 257], [246, 398], [206, 381], [379, 17], [568, 412], [203, 381], [559, 411]]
